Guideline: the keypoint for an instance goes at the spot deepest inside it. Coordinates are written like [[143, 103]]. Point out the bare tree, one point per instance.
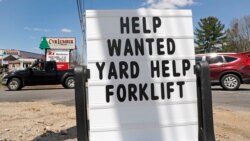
[[75, 58], [233, 34], [239, 35], [245, 32]]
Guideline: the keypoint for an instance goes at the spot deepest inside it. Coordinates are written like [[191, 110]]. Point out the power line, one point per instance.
[[81, 13]]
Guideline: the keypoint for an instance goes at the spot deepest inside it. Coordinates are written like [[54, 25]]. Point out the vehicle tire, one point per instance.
[[14, 84], [230, 82], [69, 83]]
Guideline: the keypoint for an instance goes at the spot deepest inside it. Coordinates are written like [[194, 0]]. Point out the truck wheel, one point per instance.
[[69, 82], [14, 84], [230, 82]]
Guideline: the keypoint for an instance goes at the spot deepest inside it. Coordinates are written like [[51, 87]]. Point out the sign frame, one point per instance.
[[95, 36], [205, 110]]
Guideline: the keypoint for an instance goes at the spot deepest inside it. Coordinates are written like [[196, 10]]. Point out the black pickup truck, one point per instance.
[[47, 75]]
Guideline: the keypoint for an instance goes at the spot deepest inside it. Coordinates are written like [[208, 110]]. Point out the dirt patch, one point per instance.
[[45, 121], [37, 121], [232, 125]]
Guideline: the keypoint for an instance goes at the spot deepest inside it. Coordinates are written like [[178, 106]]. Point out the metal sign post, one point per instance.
[[81, 76], [205, 108], [205, 112]]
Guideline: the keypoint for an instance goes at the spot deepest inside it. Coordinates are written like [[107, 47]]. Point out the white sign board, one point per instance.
[[61, 43], [57, 55], [142, 85]]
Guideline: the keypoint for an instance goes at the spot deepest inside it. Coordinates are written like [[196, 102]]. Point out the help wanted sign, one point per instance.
[[142, 85]]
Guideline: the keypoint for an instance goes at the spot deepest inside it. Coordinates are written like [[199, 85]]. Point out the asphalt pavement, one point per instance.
[[239, 99], [53, 93], [57, 94]]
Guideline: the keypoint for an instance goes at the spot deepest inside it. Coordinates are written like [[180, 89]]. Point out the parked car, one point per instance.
[[229, 70], [39, 74]]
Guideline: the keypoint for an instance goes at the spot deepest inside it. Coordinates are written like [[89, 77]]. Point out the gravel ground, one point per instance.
[[37, 121], [42, 121], [231, 125]]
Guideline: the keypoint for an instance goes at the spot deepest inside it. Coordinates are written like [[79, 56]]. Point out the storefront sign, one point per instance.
[[142, 85], [62, 66], [57, 55], [60, 56], [2, 52], [58, 43], [9, 52]]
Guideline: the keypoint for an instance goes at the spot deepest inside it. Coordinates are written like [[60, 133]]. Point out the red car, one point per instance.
[[228, 69]]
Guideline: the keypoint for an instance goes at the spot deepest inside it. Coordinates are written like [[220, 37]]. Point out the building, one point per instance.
[[17, 59]]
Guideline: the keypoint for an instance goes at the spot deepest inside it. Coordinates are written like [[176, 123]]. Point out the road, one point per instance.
[[56, 94], [239, 100]]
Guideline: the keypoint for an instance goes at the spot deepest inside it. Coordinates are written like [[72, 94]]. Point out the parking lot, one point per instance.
[[48, 113]]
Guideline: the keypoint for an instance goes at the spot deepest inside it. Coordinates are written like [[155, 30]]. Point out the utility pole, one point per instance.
[[83, 39], [81, 13]]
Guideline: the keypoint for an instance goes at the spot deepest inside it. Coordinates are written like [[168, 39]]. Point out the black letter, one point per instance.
[[165, 68], [128, 48], [123, 67], [135, 24], [120, 97], [169, 42], [114, 47], [149, 41], [185, 66], [139, 47], [160, 46], [132, 89], [156, 23], [142, 91], [174, 69], [100, 68], [180, 84], [169, 89], [162, 91], [155, 69], [144, 23], [108, 92], [153, 96], [112, 71], [124, 25], [134, 69]]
